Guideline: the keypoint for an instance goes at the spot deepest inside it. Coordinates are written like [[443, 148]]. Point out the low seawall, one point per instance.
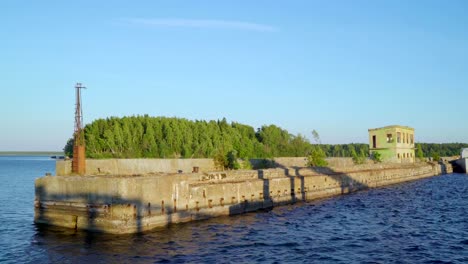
[[136, 203], [145, 166], [132, 166]]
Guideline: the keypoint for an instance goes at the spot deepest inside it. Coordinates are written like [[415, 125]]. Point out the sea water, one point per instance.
[[424, 221]]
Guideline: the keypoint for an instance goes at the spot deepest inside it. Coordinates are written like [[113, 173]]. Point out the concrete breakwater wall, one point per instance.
[[144, 166], [140, 166], [129, 204]]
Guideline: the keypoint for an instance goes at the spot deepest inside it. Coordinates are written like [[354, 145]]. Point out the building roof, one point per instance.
[[392, 126]]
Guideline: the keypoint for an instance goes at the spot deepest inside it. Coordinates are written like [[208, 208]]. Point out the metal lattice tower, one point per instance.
[[79, 158], [78, 133]]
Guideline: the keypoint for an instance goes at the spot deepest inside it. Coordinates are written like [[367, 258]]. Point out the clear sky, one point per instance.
[[339, 67]]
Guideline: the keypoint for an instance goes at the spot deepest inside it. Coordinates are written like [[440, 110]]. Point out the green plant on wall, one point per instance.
[[376, 157], [220, 159], [228, 160], [317, 158], [232, 162], [435, 157], [245, 164], [358, 158]]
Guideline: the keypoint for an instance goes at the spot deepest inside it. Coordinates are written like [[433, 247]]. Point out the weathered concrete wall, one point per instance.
[[146, 166], [128, 204], [285, 162], [63, 167], [136, 166]]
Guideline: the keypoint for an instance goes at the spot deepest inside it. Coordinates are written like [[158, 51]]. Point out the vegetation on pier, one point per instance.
[[163, 137]]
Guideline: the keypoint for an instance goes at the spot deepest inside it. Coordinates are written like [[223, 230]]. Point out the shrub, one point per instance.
[[245, 164], [232, 162], [220, 160], [227, 160], [376, 157], [317, 158], [358, 159], [419, 153]]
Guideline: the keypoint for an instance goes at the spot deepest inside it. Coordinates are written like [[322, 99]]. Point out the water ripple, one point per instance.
[[417, 222]]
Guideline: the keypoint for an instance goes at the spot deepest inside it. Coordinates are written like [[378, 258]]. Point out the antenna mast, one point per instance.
[[79, 139], [79, 158]]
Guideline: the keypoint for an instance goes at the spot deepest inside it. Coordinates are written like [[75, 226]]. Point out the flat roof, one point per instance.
[[392, 126]]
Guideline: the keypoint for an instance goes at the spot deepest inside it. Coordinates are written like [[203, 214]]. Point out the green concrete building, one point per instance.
[[394, 143]]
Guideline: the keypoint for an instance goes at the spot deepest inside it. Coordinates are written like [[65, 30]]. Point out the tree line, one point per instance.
[[166, 137], [442, 149]]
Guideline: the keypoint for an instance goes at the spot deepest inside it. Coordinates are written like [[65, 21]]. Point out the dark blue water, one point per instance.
[[419, 222]]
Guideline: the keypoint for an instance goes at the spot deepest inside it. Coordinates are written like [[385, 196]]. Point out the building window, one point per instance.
[[398, 137], [389, 138], [412, 139], [398, 155]]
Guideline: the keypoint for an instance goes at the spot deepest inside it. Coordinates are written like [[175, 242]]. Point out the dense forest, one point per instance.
[[163, 137], [443, 149]]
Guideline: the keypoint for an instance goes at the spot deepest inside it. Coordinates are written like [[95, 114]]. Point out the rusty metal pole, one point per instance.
[[79, 156]]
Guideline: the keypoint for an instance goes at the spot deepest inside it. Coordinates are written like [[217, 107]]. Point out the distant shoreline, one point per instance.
[[31, 153]]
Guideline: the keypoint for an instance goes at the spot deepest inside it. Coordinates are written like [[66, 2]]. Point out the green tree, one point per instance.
[[220, 159], [357, 158], [317, 158], [162, 137], [316, 137], [337, 151], [68, 149], [419, 152], [232, 162], [150, 148]]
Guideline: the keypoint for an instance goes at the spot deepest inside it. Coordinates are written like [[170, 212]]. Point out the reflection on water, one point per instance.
[[423, 221]]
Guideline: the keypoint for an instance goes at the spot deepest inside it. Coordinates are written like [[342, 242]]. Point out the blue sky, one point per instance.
[[339, 67]]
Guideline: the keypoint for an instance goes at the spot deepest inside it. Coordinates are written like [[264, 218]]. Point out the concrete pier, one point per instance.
[[134, 203]]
